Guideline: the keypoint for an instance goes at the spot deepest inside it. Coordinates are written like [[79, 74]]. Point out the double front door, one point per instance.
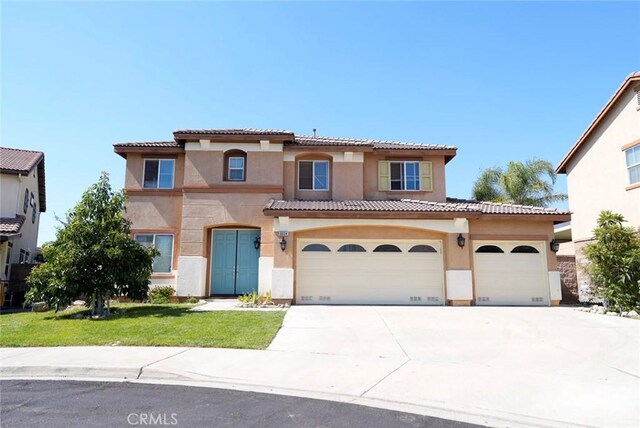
[[234, 262]]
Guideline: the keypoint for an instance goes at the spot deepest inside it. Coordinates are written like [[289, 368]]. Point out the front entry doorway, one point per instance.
[[234, 262]]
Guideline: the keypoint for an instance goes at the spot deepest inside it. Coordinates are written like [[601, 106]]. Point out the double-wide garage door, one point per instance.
[[511, 273], [403, 272]]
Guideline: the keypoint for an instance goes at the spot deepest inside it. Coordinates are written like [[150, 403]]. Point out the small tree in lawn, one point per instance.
[[93, 255], [614, 262]]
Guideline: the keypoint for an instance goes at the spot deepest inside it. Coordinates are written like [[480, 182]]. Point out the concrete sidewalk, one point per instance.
[[498, 367]]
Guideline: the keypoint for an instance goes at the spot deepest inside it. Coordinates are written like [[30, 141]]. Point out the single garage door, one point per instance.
[[369, 272], [511, 273]]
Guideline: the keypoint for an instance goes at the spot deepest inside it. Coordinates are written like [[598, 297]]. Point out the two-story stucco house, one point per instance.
[[603, 170], [23, 198], [318, 220]]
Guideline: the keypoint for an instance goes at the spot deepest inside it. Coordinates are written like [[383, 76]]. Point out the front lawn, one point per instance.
[[143, 325]]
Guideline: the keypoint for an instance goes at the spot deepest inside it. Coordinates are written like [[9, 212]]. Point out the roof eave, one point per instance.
[[562, 167]]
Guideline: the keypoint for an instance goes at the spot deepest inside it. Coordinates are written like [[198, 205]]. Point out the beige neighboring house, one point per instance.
[[603, 170], [22, 199], [320, 220]]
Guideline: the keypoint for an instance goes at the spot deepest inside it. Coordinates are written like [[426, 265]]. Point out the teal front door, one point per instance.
[[234, 262]]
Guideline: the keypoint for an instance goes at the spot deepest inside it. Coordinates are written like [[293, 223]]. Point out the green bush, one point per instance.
[[192, 300], [161, 294], [614, 262]]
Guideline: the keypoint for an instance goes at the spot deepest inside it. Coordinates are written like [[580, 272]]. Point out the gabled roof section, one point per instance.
[[168, 147], [18, 161], [631, 79], [22, 162]]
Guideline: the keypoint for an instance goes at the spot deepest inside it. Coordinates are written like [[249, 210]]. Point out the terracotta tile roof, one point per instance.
[[11, 225], [160, 144], [378, 206], [18, 161], [305, 140], [633, 77], [411, 205], [233, 131]]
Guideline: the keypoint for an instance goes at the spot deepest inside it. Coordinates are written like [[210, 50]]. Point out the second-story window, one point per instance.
[[158, 173], [235, 168], [235, 165], [405, 175], [313, 175]]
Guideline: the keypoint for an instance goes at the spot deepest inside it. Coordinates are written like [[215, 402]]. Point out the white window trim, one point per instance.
[[404, 180], [631, 166], [173, 173], [244, 167], [173, 243], [313, 176]]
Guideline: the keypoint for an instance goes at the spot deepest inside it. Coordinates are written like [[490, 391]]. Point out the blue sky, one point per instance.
[[501, 81]]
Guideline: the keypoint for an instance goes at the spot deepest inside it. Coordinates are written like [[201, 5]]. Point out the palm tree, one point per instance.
[[528, 183]]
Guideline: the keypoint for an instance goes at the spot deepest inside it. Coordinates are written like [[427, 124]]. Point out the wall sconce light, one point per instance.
[[256, 243], [554, 245], [283, 244], [461, 240]]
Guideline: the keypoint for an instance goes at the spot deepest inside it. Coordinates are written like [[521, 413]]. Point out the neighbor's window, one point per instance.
[[164, 244], [405, 175], [633, 164], [313, 175], [158, 173]]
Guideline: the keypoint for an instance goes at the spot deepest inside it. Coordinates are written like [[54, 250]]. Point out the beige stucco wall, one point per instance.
[[12, 189], [371, 179], [206, 168], [202, 211], [597, 176]]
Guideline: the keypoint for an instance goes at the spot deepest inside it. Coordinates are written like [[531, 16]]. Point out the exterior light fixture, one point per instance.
[[554, 245], [283, 244], [461, 240], [256, 243]]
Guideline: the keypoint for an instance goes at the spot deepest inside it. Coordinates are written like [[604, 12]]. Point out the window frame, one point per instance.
[[313, 175], [159, 160], [403, 176], [243, 169], [636, 149], [153, 243]]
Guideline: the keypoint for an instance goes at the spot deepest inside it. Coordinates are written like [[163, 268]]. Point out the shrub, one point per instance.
[[161, 294], [192, 300], [254, 298], [614, 262]]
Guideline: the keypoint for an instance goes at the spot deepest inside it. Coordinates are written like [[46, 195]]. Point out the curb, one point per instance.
[[142, 375]]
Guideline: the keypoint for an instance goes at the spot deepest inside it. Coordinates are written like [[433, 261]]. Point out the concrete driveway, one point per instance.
[[552, 365]]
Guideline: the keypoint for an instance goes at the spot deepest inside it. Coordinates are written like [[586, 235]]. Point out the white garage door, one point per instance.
[[511, 273], [369, 272]]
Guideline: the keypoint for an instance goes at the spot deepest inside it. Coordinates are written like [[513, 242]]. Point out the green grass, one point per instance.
[[143, 325]]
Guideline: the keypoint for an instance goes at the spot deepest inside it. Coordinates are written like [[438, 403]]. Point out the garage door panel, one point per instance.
[[369, 277], [511, 278]]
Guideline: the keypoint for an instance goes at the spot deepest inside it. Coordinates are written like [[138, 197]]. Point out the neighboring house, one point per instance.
[[320, 220], [603, 170], [23, 198]]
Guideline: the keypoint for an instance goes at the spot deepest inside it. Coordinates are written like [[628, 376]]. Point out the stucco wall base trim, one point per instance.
[[265, 270], [282, 283], [555, 290], [459, 285], [192, 276]]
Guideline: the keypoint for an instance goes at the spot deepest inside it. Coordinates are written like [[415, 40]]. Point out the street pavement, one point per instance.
[[34, 403]]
